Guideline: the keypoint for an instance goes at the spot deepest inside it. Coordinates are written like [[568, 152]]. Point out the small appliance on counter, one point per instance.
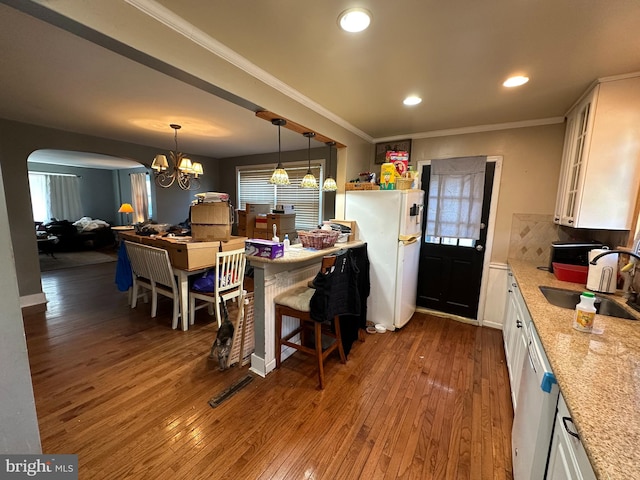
[[603, 275], [572, 253]]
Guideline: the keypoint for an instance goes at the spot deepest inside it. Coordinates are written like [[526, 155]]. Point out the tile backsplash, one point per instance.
[[532, 234], [531, 237]]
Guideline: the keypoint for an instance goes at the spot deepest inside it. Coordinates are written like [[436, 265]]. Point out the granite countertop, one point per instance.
[[296, 253], [598, 373]]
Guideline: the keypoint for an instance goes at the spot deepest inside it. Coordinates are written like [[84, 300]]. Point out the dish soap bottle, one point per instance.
[[585, 312], [286, 241]]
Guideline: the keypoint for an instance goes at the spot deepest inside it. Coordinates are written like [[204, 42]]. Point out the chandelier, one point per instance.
[[181, 170]]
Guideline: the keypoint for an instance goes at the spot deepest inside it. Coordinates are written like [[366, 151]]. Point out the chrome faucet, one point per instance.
[[629, 293]]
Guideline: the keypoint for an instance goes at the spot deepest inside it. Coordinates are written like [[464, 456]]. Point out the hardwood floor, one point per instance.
[[130, 397]]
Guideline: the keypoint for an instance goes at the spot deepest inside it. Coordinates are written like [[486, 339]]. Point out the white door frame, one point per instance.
[[488, 248]]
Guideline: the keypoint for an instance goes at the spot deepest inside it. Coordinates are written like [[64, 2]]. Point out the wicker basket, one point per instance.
[[404, 183], [360, 186], [318, 239]]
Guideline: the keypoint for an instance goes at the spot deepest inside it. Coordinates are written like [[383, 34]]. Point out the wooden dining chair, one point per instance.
[[155, 263], [140, 272], [228, 284]]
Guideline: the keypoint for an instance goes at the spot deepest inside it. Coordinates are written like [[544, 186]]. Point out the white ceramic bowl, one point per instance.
[[380, 328]]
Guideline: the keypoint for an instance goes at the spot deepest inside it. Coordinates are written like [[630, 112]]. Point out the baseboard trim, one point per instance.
[[458, 318]]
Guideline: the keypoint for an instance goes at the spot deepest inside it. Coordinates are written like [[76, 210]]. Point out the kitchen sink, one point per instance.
[[570, 298]]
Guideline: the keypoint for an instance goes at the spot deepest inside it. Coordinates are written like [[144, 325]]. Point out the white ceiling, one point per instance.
[[453, 54]]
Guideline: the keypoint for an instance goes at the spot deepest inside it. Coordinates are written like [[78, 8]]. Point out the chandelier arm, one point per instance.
[[163, 180]]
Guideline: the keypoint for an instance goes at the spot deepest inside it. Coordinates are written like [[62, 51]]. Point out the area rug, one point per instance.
[[73, 259]]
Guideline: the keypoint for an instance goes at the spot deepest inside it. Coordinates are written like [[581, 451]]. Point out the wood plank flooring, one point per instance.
[[129, 395]]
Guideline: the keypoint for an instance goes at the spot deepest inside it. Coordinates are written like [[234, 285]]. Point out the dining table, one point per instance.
[[182, 269]]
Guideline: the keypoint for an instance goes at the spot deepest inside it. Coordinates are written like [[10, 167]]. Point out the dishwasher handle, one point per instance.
[[564, 422]]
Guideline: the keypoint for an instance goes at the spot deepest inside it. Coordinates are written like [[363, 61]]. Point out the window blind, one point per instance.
[[254, 187]]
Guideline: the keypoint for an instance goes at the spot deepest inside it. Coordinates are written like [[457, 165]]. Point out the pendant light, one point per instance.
[[280, 175], [329, 183], [309, 181]]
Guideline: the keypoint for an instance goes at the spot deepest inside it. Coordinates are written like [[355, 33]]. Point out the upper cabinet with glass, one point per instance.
[[600, 172]]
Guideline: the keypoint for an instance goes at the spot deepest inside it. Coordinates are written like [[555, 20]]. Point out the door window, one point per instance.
[[456, 242]]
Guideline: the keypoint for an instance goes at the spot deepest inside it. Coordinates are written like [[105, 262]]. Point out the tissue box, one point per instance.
[[263, 248]]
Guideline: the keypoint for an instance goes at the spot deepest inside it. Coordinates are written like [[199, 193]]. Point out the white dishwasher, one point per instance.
[[535, 415]]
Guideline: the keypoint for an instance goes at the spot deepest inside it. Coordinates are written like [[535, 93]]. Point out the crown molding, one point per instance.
[[475, 129], [179, 25]]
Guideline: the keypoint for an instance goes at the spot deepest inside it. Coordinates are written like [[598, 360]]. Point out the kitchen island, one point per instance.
[[272, 277], [598, 373]]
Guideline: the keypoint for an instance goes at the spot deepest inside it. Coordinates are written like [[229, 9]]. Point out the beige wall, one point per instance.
[[530, 170]]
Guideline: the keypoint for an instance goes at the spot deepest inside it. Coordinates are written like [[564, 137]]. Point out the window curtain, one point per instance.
[[39, 197], [64, 197], [139, 197], [455, 196]]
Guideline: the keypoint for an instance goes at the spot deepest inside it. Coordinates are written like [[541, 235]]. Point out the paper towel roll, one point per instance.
[[602, 277]]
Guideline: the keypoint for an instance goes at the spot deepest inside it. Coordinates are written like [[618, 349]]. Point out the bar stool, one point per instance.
[[296, 303]]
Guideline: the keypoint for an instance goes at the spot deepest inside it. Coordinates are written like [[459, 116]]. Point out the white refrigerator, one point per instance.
[[390, 222]]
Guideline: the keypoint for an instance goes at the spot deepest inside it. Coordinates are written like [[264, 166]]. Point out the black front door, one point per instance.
[[450, 271]]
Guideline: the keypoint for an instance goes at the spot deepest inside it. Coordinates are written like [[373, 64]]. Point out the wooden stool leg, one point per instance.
[[278, 351], [318, 332], [336, 325]]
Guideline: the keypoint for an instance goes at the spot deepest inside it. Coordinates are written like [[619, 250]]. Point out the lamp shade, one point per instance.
[[160, 163], [197, 168], [125, 208], [329, 185]]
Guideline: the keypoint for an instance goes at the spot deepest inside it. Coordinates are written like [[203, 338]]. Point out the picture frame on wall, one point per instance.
[[395, 146]]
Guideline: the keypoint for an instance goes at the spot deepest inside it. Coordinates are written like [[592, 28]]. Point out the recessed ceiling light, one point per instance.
[[515, 81], [354, 20], [412, 100]]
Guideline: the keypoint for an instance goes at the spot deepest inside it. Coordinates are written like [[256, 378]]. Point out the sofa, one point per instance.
[[85, 234]]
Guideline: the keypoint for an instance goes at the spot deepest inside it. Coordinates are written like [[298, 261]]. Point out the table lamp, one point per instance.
[[127, 209]]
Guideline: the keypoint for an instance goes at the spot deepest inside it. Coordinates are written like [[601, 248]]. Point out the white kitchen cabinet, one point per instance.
[[514, 333], [567, 457], [600, 171]]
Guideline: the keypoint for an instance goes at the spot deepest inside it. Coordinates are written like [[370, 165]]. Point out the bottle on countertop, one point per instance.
[[286, 241], [585, 312]]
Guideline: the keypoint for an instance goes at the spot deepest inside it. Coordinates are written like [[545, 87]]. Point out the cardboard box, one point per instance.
[[192, 255], [388, 176], [262, 234], [210, 233], [264, 248], [261, 222], [255, 208], [284, 222], [211, 213], [247, 218], [234, 243]]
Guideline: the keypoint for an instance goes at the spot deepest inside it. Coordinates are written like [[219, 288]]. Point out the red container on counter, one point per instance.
[[570, 273]]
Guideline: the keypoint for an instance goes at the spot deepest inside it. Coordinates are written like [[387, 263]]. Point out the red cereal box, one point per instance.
[[400, 160]]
